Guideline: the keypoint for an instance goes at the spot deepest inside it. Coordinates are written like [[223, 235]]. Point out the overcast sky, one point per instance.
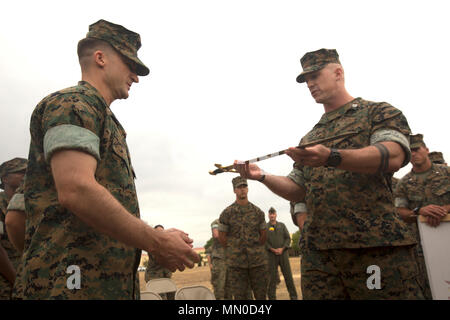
[[222, 85]]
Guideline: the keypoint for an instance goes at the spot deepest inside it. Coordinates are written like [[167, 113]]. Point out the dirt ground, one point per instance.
[[202, 276]]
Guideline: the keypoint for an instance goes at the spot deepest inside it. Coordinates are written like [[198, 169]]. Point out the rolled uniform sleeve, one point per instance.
[[71, 123], [389, 124], [71, 137], [299, 207], [223, 227], [297, 176], [17, 203], [224, 221]]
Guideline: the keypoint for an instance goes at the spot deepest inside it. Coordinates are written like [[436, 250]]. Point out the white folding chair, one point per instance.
[[149, 295], [194, 293], [161, 286]]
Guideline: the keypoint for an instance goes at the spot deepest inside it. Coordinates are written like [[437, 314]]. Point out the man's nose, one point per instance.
[[135, 77]]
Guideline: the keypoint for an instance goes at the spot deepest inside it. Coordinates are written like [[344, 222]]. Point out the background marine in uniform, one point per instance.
[[11, 175], [242, 231], [424, 191], [218, 265]]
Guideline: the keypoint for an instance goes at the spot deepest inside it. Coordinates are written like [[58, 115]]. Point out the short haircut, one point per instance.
[[158, 225], [88, 46]]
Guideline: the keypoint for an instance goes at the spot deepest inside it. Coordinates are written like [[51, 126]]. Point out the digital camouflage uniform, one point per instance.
[[295, 208], [11, 166], [13, 254], [17, 203], [278, 237], [246, 258], [417, 190], [58, 239], [219, 268], [155, 271], [78, 118], [351, 222]]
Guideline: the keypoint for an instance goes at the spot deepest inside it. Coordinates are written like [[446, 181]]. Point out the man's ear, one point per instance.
[[100, 58], [339, 72]]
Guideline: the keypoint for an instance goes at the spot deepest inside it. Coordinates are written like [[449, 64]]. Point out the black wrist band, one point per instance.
[[262, 178], [384, 161]]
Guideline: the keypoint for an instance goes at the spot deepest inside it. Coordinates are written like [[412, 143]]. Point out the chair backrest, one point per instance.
[[149, 295], [161, 285], [194, 293]]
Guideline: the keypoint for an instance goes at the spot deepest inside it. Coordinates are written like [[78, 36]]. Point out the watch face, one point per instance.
[[334, 159]]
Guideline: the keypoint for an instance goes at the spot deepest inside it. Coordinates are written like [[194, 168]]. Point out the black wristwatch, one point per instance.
[[334, 159], [416, 211]]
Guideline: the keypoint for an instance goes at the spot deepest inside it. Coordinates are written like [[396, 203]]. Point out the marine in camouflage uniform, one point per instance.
[[155, 270], [14, 166], [218, 266], [346, 184], [437, 157], [17, 207], [79, 118], [8, 253], [242, 230], [427, 184], [298, 215], [278, 238]]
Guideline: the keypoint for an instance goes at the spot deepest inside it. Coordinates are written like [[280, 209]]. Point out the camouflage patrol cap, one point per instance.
[[272, 210], [416, 141], [436, 157], [123, 40], [12, 166], [239, 181], [316, 60]]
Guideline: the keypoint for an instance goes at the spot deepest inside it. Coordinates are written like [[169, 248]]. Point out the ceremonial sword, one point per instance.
[[230, 168]]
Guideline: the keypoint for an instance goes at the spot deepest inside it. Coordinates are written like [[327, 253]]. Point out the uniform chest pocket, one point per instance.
[[349, 139], [441, 189], [121, 152]]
